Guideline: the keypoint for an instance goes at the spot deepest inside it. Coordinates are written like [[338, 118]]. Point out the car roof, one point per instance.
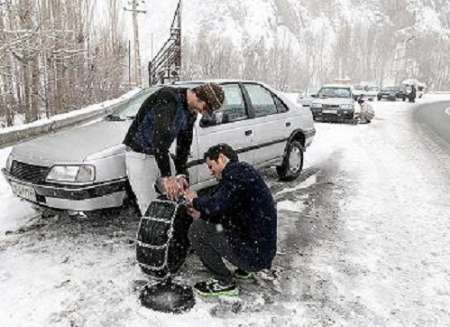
[[341, 86], [217, 80], [222, 81]]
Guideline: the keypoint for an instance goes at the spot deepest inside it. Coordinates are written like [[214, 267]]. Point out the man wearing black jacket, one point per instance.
[[237, 222], [166, 115]]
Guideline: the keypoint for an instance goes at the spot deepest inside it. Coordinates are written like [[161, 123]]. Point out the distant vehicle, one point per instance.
[[306, 98], [392, 93], [368, 90], [420, 87], [83, 168], [336, 102], [358, 90], [372, 92]]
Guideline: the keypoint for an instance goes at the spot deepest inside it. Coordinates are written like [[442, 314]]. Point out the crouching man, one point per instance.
[[238, 222]]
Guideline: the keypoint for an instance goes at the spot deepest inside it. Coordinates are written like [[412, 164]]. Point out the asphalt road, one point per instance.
[[435, 117]]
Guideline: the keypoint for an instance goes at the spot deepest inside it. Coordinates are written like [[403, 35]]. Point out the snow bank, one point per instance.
[[90, 109]]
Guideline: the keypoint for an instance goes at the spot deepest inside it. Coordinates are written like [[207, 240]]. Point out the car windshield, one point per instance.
[[390, 88], [129, 110], [334, 92], [373, 88]]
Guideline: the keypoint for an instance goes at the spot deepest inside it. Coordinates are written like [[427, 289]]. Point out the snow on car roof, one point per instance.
[[340, 86], [218, 81]]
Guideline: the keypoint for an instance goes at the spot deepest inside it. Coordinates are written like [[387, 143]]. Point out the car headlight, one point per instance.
[[8, 163], [316, 105], [71, 173], [347, 106]]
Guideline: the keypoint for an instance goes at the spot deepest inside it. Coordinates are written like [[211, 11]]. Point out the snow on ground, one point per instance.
[[13, 212], [363, 241]]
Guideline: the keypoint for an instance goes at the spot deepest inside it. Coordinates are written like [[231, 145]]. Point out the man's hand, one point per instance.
[[173, 188], [182, 180], [193, 213], [190, 195]]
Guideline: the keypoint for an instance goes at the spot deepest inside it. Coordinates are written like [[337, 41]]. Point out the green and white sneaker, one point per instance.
[[244, 275], [213, 287]]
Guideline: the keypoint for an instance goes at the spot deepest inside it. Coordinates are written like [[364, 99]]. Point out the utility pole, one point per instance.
[[137, 58]]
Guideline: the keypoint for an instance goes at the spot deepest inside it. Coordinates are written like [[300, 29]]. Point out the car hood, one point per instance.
[[334, 101], [72, 145]]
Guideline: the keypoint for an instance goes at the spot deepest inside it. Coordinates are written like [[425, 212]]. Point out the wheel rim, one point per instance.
[[295, 160]]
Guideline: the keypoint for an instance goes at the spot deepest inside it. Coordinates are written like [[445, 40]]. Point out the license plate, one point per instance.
[[24, 191], [329, 111]]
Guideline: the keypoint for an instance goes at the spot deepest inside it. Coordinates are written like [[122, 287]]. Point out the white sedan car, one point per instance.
[[83, 169], [335, 102]]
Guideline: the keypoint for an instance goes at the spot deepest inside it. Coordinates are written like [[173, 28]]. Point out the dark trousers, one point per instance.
[[210, 243]]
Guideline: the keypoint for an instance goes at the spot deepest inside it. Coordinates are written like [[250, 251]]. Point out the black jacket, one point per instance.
[[244, 205], [163, 117]]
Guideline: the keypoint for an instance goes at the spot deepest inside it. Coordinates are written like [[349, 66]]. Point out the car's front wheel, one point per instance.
[[292, 164]]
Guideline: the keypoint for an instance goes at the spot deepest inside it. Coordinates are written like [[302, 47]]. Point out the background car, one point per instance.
[[372, 92], [392, 93], [336, 102], [83, 169], [306, 98]]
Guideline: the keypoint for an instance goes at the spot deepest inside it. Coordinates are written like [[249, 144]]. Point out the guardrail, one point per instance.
[[12, 135]]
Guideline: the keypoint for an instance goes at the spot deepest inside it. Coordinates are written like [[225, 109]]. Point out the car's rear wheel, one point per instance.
[[292, 164]]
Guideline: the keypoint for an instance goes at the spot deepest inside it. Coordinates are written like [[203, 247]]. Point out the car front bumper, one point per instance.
[[338, 115], [70, 197], [391, 97]]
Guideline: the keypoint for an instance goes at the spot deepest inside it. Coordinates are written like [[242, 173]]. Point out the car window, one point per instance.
[[233, 108], [262, 100], [334, 92], [281, 107]]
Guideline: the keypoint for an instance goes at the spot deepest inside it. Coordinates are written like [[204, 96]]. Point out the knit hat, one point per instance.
[[212, 94]]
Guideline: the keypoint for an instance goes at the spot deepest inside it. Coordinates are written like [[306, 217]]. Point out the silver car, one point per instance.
[[336, 102], [83, 169]]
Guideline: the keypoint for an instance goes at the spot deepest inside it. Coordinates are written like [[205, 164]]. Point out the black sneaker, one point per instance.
[[242, 274], [214, 287]]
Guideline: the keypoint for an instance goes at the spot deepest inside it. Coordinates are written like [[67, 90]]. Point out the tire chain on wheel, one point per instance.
[[162, 242]]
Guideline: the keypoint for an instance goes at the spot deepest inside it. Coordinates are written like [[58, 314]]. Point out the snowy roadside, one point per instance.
[[14, 134], [89, 109], [14, 212]]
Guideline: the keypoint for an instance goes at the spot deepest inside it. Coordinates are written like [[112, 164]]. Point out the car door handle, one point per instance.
[[288, 124], [249, 132]]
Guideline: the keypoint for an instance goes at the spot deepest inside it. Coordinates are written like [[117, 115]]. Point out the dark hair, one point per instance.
[[214, 152], [212, 94]]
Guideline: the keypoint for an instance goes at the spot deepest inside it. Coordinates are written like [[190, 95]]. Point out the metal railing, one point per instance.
[[166, 64]]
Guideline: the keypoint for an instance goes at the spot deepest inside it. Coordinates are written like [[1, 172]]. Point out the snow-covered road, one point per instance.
[[364, 240]]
